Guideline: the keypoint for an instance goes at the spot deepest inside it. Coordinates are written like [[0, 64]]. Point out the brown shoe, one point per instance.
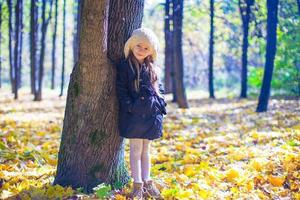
[[137, 193], [151, 190]]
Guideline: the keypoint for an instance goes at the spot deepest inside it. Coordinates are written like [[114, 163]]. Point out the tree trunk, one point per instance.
[[33, 44], [76, 14], [168, 48], [245, 10], [0, 43], [177, 53], [91, 150], [121, 24], [21, 45], [272, 6], [172, 67], [298, 3], [11, 36], [211, 52], [17, 47], [45, 22], [54, 46], [63, 51]]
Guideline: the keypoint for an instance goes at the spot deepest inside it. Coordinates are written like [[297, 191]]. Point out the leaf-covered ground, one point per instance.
[[216, 149]]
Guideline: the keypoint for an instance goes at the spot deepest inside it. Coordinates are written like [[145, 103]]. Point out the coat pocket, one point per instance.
[[144, 105]]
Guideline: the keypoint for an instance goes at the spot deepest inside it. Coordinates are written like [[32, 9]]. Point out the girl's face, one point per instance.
[[141, 51]]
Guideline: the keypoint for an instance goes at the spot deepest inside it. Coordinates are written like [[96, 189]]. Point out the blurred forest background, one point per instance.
[[228, 39], [228, 45]]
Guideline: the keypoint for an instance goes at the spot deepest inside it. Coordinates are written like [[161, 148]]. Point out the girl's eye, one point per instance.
[[146, 49]]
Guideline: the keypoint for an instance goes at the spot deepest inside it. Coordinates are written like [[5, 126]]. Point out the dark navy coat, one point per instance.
[[141, 113]]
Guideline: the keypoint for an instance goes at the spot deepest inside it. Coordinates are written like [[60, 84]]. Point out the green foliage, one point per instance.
[[293, 143], [103, 190], [80, 189], [286, 73], [117, 185], [255, 76], [287, 62]]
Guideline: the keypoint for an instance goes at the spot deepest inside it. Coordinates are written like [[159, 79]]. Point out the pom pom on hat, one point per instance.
[[142, 35]]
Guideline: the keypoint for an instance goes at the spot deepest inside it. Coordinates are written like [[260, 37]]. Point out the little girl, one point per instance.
[[142, 105]]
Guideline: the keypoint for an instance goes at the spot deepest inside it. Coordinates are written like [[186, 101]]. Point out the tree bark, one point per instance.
[[91, 150], [33, 44], [124, 17], [63, 51], [45, 22], [54, 46], [172, 70], [168, 48], [17, 47], [11, 54], [211, 52], [272, 18], [21, 45], [177, 53], [298, 3], [76, 14], [245, 11]]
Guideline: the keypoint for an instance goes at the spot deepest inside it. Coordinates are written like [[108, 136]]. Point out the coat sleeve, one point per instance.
[[161, 90], [162, 100], [122, 85]]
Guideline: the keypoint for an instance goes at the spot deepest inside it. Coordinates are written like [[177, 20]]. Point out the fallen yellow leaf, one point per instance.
[[276, 180]]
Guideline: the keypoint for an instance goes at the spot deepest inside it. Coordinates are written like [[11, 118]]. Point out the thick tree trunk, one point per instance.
[[54, 46], [91, 150], [168, 48], [177, 53], [272, 6], [245, 10], [33, 44], [124, 17], [63, 51], [211, 52]]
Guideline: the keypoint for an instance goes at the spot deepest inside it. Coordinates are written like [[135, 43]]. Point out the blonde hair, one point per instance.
[[153, 70]]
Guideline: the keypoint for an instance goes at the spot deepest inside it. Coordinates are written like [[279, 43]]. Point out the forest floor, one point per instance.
[[216, 149]]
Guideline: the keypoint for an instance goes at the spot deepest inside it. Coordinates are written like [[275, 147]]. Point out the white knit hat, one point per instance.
[[142, 35]]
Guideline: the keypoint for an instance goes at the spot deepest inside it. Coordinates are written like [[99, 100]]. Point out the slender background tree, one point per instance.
[[272, 6], [63, 50], [211, 52], [177, 54], [168, 48], [54, 35], [245, 11], [44, 27]]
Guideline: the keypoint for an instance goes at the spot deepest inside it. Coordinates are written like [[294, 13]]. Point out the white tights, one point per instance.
[[140, 161]]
